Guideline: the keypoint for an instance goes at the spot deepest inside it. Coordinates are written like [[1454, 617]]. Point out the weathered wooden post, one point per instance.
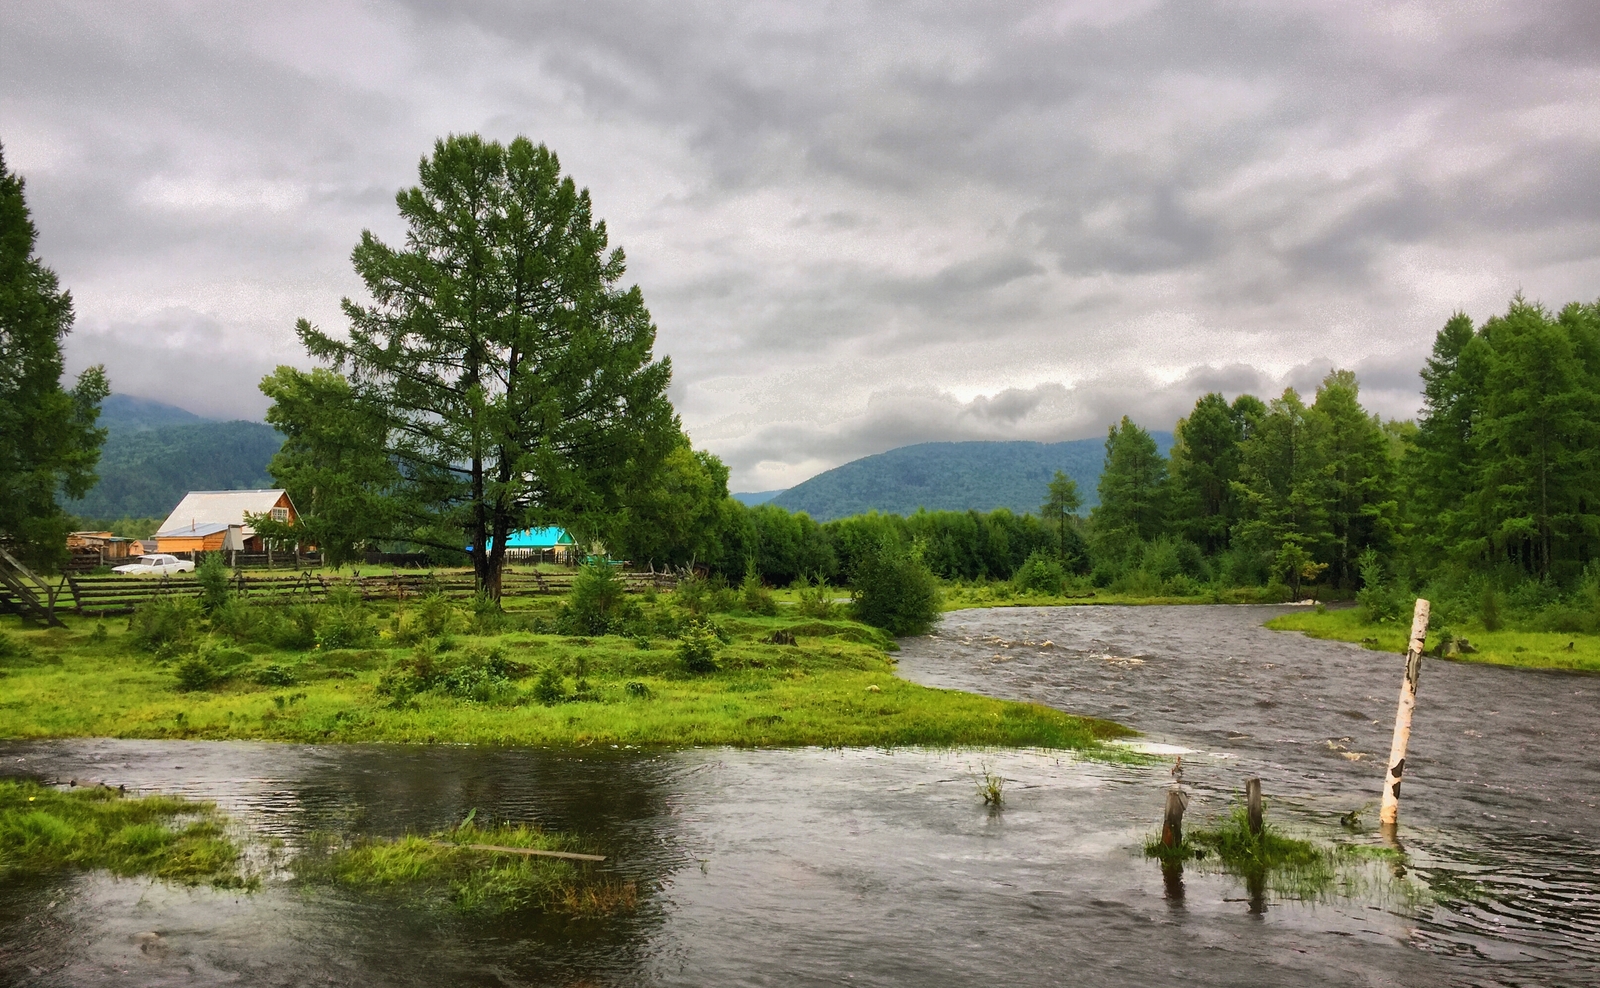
[[1172, 824], [1252, 802], [1389, 812]]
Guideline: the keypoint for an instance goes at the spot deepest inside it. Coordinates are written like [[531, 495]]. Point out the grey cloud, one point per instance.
[[844, 216]]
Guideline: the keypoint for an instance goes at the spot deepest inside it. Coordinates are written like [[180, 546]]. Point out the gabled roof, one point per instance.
[[218, 508]]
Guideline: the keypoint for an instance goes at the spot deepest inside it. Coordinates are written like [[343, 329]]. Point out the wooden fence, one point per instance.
[[103, 596]]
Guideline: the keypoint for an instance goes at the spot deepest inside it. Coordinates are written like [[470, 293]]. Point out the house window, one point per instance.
[[280, 515]]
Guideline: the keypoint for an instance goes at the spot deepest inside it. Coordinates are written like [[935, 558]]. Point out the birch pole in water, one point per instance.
[[1389, 813]]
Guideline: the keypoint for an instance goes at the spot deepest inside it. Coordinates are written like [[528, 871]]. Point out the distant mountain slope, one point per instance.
[[155, 453], [125, 413], [752, 498], [952, 477]]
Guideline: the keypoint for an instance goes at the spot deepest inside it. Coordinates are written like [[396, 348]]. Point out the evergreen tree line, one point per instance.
[[1492, 490]]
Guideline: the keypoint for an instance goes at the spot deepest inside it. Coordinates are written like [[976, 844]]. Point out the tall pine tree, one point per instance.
[[516, 375], [1133, 489], [49, 444]]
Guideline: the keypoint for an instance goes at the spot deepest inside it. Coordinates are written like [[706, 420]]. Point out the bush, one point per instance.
[[296, 629], [275, 675], [698, 647], [213, 577], [344, 622], [433, 617], [755, 596], [894, 590], [551, 688], [1379, 602], [1489, 610], [244, 622], [207, 667], [598, 603], [1041, 572], [163, 623], [815, 600], [693, 595], [12, 650]]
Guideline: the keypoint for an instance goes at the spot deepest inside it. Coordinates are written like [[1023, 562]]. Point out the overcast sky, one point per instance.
[[856, 226]]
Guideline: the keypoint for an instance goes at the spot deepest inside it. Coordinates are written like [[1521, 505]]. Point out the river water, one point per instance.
[[854, 867]]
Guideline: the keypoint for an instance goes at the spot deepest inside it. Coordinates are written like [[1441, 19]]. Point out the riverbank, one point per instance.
[[1505, 647], [834, 687], [1003, 594]]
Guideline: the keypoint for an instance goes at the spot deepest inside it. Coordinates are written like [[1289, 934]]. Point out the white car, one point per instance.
[[156, 565]]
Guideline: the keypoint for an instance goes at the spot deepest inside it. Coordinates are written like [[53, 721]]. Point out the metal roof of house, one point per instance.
[[535, 538], [197, 530], [218, 508]]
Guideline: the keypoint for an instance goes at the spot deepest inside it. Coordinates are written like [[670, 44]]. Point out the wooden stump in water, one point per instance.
[[1172, 825], [1252, 802]]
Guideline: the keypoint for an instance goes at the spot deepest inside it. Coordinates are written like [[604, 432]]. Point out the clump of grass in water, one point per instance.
[[442, 867], [1289, 865], [992, 788], [43, 829]]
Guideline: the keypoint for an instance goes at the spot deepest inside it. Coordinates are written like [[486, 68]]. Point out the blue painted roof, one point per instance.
[[535, 538]]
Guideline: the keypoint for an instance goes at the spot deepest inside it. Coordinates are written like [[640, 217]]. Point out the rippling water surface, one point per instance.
[[867, 867]]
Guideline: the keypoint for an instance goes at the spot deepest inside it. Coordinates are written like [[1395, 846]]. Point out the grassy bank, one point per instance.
[[1002, 594], [43, 829], [1504, 646], [437, 672]]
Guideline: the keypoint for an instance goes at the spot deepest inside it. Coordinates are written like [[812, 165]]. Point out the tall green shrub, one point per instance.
[[894, 590]]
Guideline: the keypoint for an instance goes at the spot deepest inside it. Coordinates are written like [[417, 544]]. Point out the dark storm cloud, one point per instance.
[[857, 226]]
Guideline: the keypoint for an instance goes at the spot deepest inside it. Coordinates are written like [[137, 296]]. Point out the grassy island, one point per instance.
[[662, 671]]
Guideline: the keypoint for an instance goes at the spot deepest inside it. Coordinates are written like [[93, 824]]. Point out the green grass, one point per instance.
[[43, 829], [440, 870], [1527, 649], [1000, 594], [1271, 859], [837, 687]]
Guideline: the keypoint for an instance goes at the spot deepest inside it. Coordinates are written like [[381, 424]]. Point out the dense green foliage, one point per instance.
[[895, 591], [981, 476], [332, 463], [1489, 502], [49, 441], [509, 375]]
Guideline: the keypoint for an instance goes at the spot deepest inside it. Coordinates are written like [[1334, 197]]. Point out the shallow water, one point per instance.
[[866, 867]]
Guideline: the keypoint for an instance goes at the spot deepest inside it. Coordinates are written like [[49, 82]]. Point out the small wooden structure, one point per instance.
[[204, 521]]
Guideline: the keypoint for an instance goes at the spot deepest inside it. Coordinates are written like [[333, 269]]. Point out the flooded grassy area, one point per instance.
[[43, 829], [834, 685]]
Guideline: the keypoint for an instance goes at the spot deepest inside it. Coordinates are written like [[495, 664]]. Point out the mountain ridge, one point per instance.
[[953, 476]]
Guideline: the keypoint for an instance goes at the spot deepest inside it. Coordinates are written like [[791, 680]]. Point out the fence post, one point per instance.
[[1389, 812], [1252, 801], [1172, 824]]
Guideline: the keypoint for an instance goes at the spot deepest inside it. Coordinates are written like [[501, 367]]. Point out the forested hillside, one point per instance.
[[978, 476], [155, 453]]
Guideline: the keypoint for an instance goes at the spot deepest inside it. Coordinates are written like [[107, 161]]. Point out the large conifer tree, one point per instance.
[[49, 444], [516, 377]]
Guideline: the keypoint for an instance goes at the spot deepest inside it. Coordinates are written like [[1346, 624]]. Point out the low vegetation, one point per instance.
[[475, 870], [1271, 859], [43, 829], [692, 667], [1464, 640]]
